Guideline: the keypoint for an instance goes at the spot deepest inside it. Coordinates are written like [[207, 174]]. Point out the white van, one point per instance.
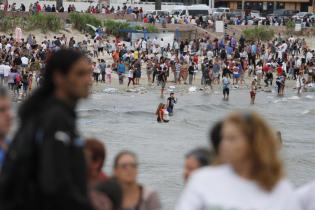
[[155, 13], [220, 11], [191, 11]]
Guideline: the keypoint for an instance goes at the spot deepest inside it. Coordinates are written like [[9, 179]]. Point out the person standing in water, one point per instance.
[[226, 87], [299, 83], [253, 89], [281, 84], [131, 76], [162, 113], [162, 80], [171, 101]]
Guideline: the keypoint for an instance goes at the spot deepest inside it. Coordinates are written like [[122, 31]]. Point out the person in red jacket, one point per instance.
[[279, 70], [38, 7]]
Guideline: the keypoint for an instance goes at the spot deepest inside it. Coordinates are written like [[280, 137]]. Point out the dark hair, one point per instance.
[[3, 92], [97, 149], [203, 155], [61, 61], [112, 189], [215, 136], [120, 154]]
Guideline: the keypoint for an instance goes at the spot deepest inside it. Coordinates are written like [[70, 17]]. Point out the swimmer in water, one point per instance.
[[171, 101]]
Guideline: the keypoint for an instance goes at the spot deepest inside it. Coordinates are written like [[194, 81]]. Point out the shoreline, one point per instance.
[[145, 87]]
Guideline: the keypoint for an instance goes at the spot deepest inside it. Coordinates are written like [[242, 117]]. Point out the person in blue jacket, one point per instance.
[[121, 69]]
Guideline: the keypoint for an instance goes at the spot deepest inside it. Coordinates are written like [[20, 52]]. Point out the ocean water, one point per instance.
[[127, 121]]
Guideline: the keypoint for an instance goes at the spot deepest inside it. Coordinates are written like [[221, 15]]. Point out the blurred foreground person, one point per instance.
[[250, 175], [135, 196], [5, 123], [107, 195], [196, 159], [95, 157], [45, 166], [306, 195]]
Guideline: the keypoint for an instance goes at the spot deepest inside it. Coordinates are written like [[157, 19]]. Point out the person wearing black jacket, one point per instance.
[[191, 71], [45, 166]]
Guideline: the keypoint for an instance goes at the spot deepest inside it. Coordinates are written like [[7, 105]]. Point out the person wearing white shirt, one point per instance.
[[250, 174], [144, 45], [210, 54], [305, 195], [6, 71], [309, 56], [8, 47], [44, 46], [25, 61]]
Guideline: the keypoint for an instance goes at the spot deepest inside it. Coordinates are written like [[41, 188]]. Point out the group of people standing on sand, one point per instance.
[[228, 63], [236, 63]]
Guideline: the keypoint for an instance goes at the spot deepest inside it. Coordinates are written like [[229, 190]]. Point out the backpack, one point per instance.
[[18, 79]]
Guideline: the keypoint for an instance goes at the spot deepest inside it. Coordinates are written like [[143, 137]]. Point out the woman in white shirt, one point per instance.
[[250, 176], [109, 74], [306, 196]]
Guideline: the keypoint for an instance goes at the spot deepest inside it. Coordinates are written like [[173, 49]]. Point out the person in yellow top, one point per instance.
[[136, 55]]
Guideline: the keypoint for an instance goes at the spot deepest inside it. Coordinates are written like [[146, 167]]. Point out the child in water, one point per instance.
[[171, 101], [162, 114]]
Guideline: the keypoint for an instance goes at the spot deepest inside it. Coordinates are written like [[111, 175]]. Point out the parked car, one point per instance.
[[234, 14], [283, 12], [312, 18], [221, 11], [302, 15]]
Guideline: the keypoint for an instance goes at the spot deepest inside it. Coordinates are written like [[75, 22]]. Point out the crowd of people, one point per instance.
[[228, 62], [48, 165]]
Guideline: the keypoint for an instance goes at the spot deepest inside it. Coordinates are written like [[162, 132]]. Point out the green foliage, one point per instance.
[[152, 29], [114, 27], [138, 28], [258, 33], [290, 25], [80, 21], [39, 21], [46, 23], [5, 24]]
